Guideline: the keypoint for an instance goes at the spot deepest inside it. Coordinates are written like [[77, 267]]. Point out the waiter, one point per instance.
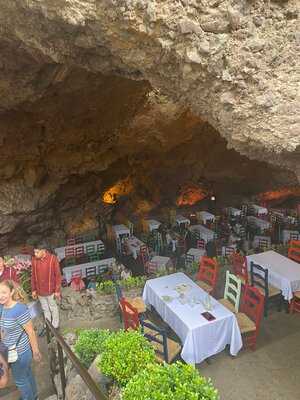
[[46, 283]]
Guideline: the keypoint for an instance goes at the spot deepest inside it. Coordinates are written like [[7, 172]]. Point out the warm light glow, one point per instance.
[[190, 195], [279, 194], [121, 188]]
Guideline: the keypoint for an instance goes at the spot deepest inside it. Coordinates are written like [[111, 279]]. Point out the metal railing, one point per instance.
[[62, 347]]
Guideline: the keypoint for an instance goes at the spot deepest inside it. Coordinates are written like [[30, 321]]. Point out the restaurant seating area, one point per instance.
[[211, 278]]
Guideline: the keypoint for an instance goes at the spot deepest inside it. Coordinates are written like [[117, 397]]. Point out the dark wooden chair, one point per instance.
[[260, 280]]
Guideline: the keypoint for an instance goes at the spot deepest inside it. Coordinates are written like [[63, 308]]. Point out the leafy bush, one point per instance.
[[169, 382], [108, 287], [90, 343], [126, 353]]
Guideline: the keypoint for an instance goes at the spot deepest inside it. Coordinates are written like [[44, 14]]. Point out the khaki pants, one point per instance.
[[50, 309]]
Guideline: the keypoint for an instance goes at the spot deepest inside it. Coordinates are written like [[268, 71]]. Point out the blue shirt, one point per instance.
[[11, 329]]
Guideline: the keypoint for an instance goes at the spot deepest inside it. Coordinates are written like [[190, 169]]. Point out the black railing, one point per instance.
[[62, 347]]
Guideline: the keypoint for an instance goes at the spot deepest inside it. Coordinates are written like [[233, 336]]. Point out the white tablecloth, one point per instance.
[[205, 233], [134, 244], [200, 338], [260, 223], [60, 251], [152, 224], [284, 273], [197, 253], [120, 230], [286, 235], [206, 216], [234, 212], [182, 220], [162, 262], [67, 271], [259, 210]]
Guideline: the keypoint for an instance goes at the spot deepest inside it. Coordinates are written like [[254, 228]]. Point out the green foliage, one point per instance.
[[90, 343], [126, 353], [25, 281], [169, 382], [108, 287]]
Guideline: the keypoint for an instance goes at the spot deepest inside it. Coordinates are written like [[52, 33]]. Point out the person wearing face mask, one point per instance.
[[18, 335], [7, 272]]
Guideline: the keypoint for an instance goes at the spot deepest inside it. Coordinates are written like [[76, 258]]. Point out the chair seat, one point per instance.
[[273, 291], [137, 302], [245, 323], [205, 286], [297, 295], [226, 303], [174, 349]]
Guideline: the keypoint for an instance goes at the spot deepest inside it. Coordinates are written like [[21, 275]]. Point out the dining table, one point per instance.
[[205, 233], [284, 273], [204, 326]]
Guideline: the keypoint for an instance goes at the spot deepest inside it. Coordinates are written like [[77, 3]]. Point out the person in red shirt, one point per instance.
[[7, 273], [46, 283]]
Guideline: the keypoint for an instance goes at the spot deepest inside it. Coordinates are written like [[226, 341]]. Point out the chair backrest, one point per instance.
[[263, 244], [69, 252], [100, 248], [229, 250], [208, 271], [189, 259], [71, 242], [151, 267], [130, 315], [200, 244], [239, 264], [157, 335], [90, 249], [259, 277], [76, 274], [79, 251], [232, 291], [294, 236], [90, 272], [252, 304]]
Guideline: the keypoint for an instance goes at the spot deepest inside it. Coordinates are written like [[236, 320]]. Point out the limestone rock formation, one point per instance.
[[234, 62]]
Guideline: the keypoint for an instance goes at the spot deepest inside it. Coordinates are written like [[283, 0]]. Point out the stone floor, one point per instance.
[[269, 373], [272, 372]]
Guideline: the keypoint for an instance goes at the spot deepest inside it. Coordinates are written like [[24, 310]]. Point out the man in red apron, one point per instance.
[[46, 283]]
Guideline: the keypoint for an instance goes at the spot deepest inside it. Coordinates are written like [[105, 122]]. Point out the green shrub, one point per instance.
[[169, 382], [90, 343], [126, 353], [108, 287]]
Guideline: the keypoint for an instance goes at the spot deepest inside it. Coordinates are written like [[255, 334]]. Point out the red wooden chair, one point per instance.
[[200, 244], [151, 267], [294, 250], [207, 275], [250, 315], [69, 252], [130, 315], [295, 303], [239, 264], [71, 242], [79, 251]]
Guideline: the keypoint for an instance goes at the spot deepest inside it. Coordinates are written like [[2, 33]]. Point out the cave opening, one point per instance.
[[110, 143]]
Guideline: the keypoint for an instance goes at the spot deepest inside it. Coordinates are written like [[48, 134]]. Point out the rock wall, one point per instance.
[[232, 62]]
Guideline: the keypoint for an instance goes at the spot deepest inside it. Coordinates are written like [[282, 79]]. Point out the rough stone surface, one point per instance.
[[79, 305]]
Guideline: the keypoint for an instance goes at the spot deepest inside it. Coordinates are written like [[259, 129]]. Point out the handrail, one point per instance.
[[82, 371]]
